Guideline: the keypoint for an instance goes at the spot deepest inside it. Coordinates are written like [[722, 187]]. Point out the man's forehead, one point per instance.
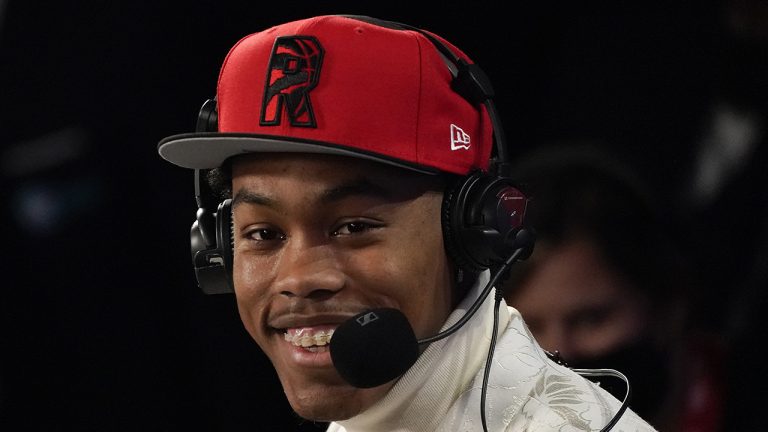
[[327, 169], [322, 178], [270, 193]]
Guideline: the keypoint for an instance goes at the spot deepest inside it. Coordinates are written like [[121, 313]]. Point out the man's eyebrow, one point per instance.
[[244, 196], [357, 187]]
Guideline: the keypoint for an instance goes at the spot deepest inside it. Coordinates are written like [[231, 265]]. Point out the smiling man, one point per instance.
[[358, 186], [319, 239]]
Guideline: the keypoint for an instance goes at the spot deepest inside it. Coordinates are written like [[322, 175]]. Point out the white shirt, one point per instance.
[[526, 391]]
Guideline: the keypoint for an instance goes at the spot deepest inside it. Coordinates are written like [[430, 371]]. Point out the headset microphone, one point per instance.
[[374, 347], [378, 345]]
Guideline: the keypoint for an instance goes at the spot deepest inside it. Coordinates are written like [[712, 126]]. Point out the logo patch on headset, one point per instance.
[[292, 73], [459, 138], [512, 206], [367, 319]]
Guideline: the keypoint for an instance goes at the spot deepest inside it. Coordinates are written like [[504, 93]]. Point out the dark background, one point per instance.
[[102, 327]]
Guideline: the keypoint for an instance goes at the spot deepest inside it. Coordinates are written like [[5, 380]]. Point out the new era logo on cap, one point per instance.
[[459, 138]]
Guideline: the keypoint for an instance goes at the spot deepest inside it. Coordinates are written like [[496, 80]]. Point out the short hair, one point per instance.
[[220, 181]]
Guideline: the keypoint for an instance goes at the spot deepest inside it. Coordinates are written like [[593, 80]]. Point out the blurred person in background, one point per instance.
[[608, 285]]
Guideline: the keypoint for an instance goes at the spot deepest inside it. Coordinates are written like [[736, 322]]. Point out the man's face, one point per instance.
[[318, 239]]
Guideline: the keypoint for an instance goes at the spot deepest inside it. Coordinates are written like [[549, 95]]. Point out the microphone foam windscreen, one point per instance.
[[374, 347]]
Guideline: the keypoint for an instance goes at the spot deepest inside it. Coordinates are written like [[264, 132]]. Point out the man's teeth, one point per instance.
[[304, 339]]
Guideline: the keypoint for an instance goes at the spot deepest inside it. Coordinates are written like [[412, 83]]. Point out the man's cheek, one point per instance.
[[252, 282], [249, 319]]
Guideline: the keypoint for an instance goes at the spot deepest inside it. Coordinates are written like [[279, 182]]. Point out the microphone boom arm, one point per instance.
[[480, 299]]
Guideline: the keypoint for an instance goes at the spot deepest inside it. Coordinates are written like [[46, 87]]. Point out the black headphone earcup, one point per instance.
[[213, 262], [482, 215], [451, 217]]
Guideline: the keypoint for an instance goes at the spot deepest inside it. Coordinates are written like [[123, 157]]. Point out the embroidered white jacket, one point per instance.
[[526, 392]]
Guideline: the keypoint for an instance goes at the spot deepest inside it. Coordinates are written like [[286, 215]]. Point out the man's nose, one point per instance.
[[309, 272]]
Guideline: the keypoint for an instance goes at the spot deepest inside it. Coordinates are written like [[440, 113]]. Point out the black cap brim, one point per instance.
[[208, 150]]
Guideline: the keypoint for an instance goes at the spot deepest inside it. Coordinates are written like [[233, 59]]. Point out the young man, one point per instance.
[[362, 189]]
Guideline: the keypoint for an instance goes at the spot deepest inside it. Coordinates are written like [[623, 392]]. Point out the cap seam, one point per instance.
[[226, 59], [417, 140]]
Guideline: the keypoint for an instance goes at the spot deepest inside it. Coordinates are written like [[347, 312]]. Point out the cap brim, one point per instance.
[[208, 150]]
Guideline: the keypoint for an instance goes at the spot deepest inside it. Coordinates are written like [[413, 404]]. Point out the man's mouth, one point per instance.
[[312, 339]]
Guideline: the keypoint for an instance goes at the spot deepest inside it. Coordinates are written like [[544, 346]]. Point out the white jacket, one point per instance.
[[526, 392]]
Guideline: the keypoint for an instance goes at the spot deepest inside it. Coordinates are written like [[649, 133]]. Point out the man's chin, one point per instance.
[[334, 403], [327, 411]]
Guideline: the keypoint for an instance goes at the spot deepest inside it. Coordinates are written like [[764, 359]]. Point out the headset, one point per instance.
[[482, 213]]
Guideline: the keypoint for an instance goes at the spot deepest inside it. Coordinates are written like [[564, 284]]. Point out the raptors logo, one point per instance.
[[293, 71]]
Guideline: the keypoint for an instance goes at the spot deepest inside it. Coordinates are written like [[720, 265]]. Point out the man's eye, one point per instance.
[[265, 234], [353, 228]]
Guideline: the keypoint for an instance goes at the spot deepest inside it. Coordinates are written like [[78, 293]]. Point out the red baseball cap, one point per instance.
[[346, 86]]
